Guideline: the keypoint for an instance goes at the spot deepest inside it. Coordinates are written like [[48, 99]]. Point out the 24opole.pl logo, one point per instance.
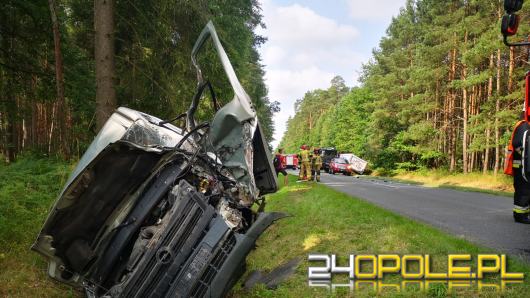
[[463, 271]]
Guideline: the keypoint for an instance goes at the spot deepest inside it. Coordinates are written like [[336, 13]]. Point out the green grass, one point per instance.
[[28, 187], [413, 180], [323, 220], [326, 221], [501, 184]]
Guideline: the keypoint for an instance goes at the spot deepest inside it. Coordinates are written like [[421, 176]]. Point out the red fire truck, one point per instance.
[[291, 161]]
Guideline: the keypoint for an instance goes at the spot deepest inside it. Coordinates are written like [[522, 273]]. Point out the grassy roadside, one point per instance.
[[326, 221], [323, 221], [498, 185], [27, 189]]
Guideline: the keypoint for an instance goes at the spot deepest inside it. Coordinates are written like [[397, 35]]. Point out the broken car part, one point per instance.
[[155, 210]]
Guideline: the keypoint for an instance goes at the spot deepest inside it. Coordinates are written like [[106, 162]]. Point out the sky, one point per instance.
[[311, 41]]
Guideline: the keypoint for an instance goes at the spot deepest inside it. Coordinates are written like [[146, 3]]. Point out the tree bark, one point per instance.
[[511, 68], [59, 80], [465, 116], [453, 130], [52, 121], [104, 56], [485, 163], [11, 112], [497, 109]]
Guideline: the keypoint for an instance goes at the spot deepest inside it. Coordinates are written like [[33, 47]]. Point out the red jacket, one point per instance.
[[283, 161]]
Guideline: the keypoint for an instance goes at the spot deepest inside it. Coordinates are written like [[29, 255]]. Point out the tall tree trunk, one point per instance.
[[477, 95], [485, 163], [452, 105], [437, 104], [59, 81], [104, 56], [465, 115], [511, 68], [10, 103], [52, 127], [497, 109]]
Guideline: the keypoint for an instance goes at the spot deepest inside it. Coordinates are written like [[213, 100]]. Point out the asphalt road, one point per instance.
[[480, 218]]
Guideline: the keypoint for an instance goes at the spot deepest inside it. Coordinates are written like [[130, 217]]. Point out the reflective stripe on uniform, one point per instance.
[[523, 153], [516, 164], [522, 210]]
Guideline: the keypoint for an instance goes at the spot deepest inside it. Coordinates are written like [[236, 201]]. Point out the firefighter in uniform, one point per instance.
[[514, 167], [316, 164], [305, 159]]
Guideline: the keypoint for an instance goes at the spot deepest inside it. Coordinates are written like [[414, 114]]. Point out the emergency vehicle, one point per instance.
[[291, 161]]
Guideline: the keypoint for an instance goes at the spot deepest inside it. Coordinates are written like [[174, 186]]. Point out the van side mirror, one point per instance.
[[510, 24], [512, 6]]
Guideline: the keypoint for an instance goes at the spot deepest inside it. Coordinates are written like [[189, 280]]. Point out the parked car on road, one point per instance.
[[340, 165]]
